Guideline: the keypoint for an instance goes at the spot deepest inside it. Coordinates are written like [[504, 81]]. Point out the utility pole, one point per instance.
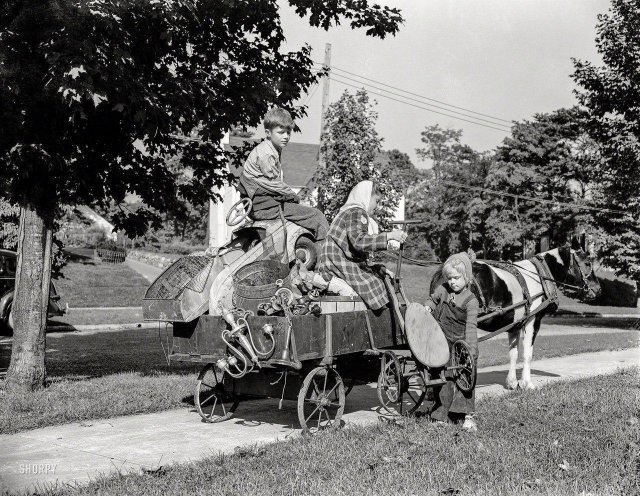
[[325, 99]]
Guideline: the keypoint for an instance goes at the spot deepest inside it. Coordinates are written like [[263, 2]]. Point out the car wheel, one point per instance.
[[306, 252]]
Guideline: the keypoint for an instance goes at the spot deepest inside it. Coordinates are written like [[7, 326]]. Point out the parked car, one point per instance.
[[8, 266]]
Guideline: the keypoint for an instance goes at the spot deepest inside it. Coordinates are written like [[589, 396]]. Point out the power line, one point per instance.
[[416, 94], [423, 108], [420, 101], [529, 198]]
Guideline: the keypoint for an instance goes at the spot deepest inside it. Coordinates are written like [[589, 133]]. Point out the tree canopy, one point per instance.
[[95, 95], [351, 146], [611, 95]]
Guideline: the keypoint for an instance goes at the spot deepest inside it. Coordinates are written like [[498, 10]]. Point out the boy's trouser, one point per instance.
[[308, 217]]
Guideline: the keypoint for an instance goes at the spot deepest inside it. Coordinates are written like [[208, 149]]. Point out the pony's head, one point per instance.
[[580, 271]]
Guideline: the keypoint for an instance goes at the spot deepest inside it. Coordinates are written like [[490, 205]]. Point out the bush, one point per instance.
[[181, 248]]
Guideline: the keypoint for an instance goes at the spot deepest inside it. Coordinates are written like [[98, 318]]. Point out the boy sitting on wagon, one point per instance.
[[261, 180]]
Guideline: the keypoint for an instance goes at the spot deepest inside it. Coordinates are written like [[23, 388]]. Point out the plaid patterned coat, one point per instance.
[[345, 252]]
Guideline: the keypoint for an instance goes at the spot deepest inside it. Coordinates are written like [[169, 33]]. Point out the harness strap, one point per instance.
[[549, 286], [480, 296], [513, 270]]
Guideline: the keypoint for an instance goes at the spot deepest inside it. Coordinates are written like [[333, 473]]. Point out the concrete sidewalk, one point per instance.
[[75, 453]]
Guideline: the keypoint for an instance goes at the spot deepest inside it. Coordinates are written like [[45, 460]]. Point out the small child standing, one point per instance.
[[261, 180], [455, 308]]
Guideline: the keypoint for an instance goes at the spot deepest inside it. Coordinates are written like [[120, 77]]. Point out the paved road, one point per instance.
[[149, 272], [77, 452]]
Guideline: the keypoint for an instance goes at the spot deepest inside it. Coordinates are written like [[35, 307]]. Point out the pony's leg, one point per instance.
[[512, 379], [531, 328]]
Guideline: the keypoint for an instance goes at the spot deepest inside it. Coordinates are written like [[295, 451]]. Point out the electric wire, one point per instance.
[[422, 102], [423, 108], [332, 67], [529, 198]]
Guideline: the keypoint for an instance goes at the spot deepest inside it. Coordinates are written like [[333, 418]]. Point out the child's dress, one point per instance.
[[457, 315]]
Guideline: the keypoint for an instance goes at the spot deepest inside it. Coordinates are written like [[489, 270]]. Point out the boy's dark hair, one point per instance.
[[277, 117], [375, 190]]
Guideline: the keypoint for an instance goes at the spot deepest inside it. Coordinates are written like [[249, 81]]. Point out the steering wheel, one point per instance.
[[239, 211]]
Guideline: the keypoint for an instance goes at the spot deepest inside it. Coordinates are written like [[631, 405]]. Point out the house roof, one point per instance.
[[299, 161]]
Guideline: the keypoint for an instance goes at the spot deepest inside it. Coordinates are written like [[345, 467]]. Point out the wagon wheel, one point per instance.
[[213, 402], [466, 371], [397, 394], [239, 211], [320, 400]]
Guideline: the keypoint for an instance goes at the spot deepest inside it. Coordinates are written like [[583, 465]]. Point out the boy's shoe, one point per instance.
[[470, 424]]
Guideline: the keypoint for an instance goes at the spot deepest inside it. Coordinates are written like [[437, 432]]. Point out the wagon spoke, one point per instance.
[[333, 389], [311, 414], [213, 395], [319, 419], [315, 386], [213, 408], [326, 376], [208, 385]]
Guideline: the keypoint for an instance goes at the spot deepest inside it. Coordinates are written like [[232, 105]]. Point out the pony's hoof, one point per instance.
[[511, 384], [526, 385]]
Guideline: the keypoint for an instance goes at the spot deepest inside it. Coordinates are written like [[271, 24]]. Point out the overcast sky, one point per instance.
[[505, 58]]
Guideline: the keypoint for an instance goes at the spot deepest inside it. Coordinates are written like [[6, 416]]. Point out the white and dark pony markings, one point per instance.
[[569, 266]]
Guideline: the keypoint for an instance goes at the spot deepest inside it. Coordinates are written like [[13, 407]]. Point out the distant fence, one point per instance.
[[111, 256]]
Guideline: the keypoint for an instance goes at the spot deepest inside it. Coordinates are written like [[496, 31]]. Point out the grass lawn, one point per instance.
[[569, 438], [86, 283], [108, 374]]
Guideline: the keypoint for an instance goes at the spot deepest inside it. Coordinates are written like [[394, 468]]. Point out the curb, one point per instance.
[[103, 327], [97, 309], [591, 315]]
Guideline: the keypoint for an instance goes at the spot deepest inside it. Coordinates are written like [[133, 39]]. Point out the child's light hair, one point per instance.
[[457, 266], [278, 117]]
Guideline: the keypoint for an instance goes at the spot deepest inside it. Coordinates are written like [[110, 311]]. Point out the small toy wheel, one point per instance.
[[397, 393], [466, 370], [321, 400], [239, 211], [389, 381], [213, 402]]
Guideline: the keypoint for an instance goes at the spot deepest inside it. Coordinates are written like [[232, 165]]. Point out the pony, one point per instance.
[[515, 296]]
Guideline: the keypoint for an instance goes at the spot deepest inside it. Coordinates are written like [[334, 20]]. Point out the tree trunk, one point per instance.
[[31, 300]]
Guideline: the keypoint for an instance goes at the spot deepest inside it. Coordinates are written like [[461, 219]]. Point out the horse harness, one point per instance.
[[549, 293]]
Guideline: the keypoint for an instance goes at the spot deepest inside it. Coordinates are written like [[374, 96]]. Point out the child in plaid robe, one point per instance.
[[352, 236]]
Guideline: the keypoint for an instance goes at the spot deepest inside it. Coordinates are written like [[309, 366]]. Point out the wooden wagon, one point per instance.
[[312, 359]]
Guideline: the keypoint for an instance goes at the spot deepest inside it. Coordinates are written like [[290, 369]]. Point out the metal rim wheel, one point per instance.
[[466, 371], [321, 400], [397, 393], [213, 402]]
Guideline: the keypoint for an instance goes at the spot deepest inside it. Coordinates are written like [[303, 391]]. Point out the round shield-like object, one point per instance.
[[425, 337]]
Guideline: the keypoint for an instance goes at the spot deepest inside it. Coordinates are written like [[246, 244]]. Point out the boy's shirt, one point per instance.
[[262, 174]]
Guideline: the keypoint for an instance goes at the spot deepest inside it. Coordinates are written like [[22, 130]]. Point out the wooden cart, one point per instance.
[[314, 360]]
